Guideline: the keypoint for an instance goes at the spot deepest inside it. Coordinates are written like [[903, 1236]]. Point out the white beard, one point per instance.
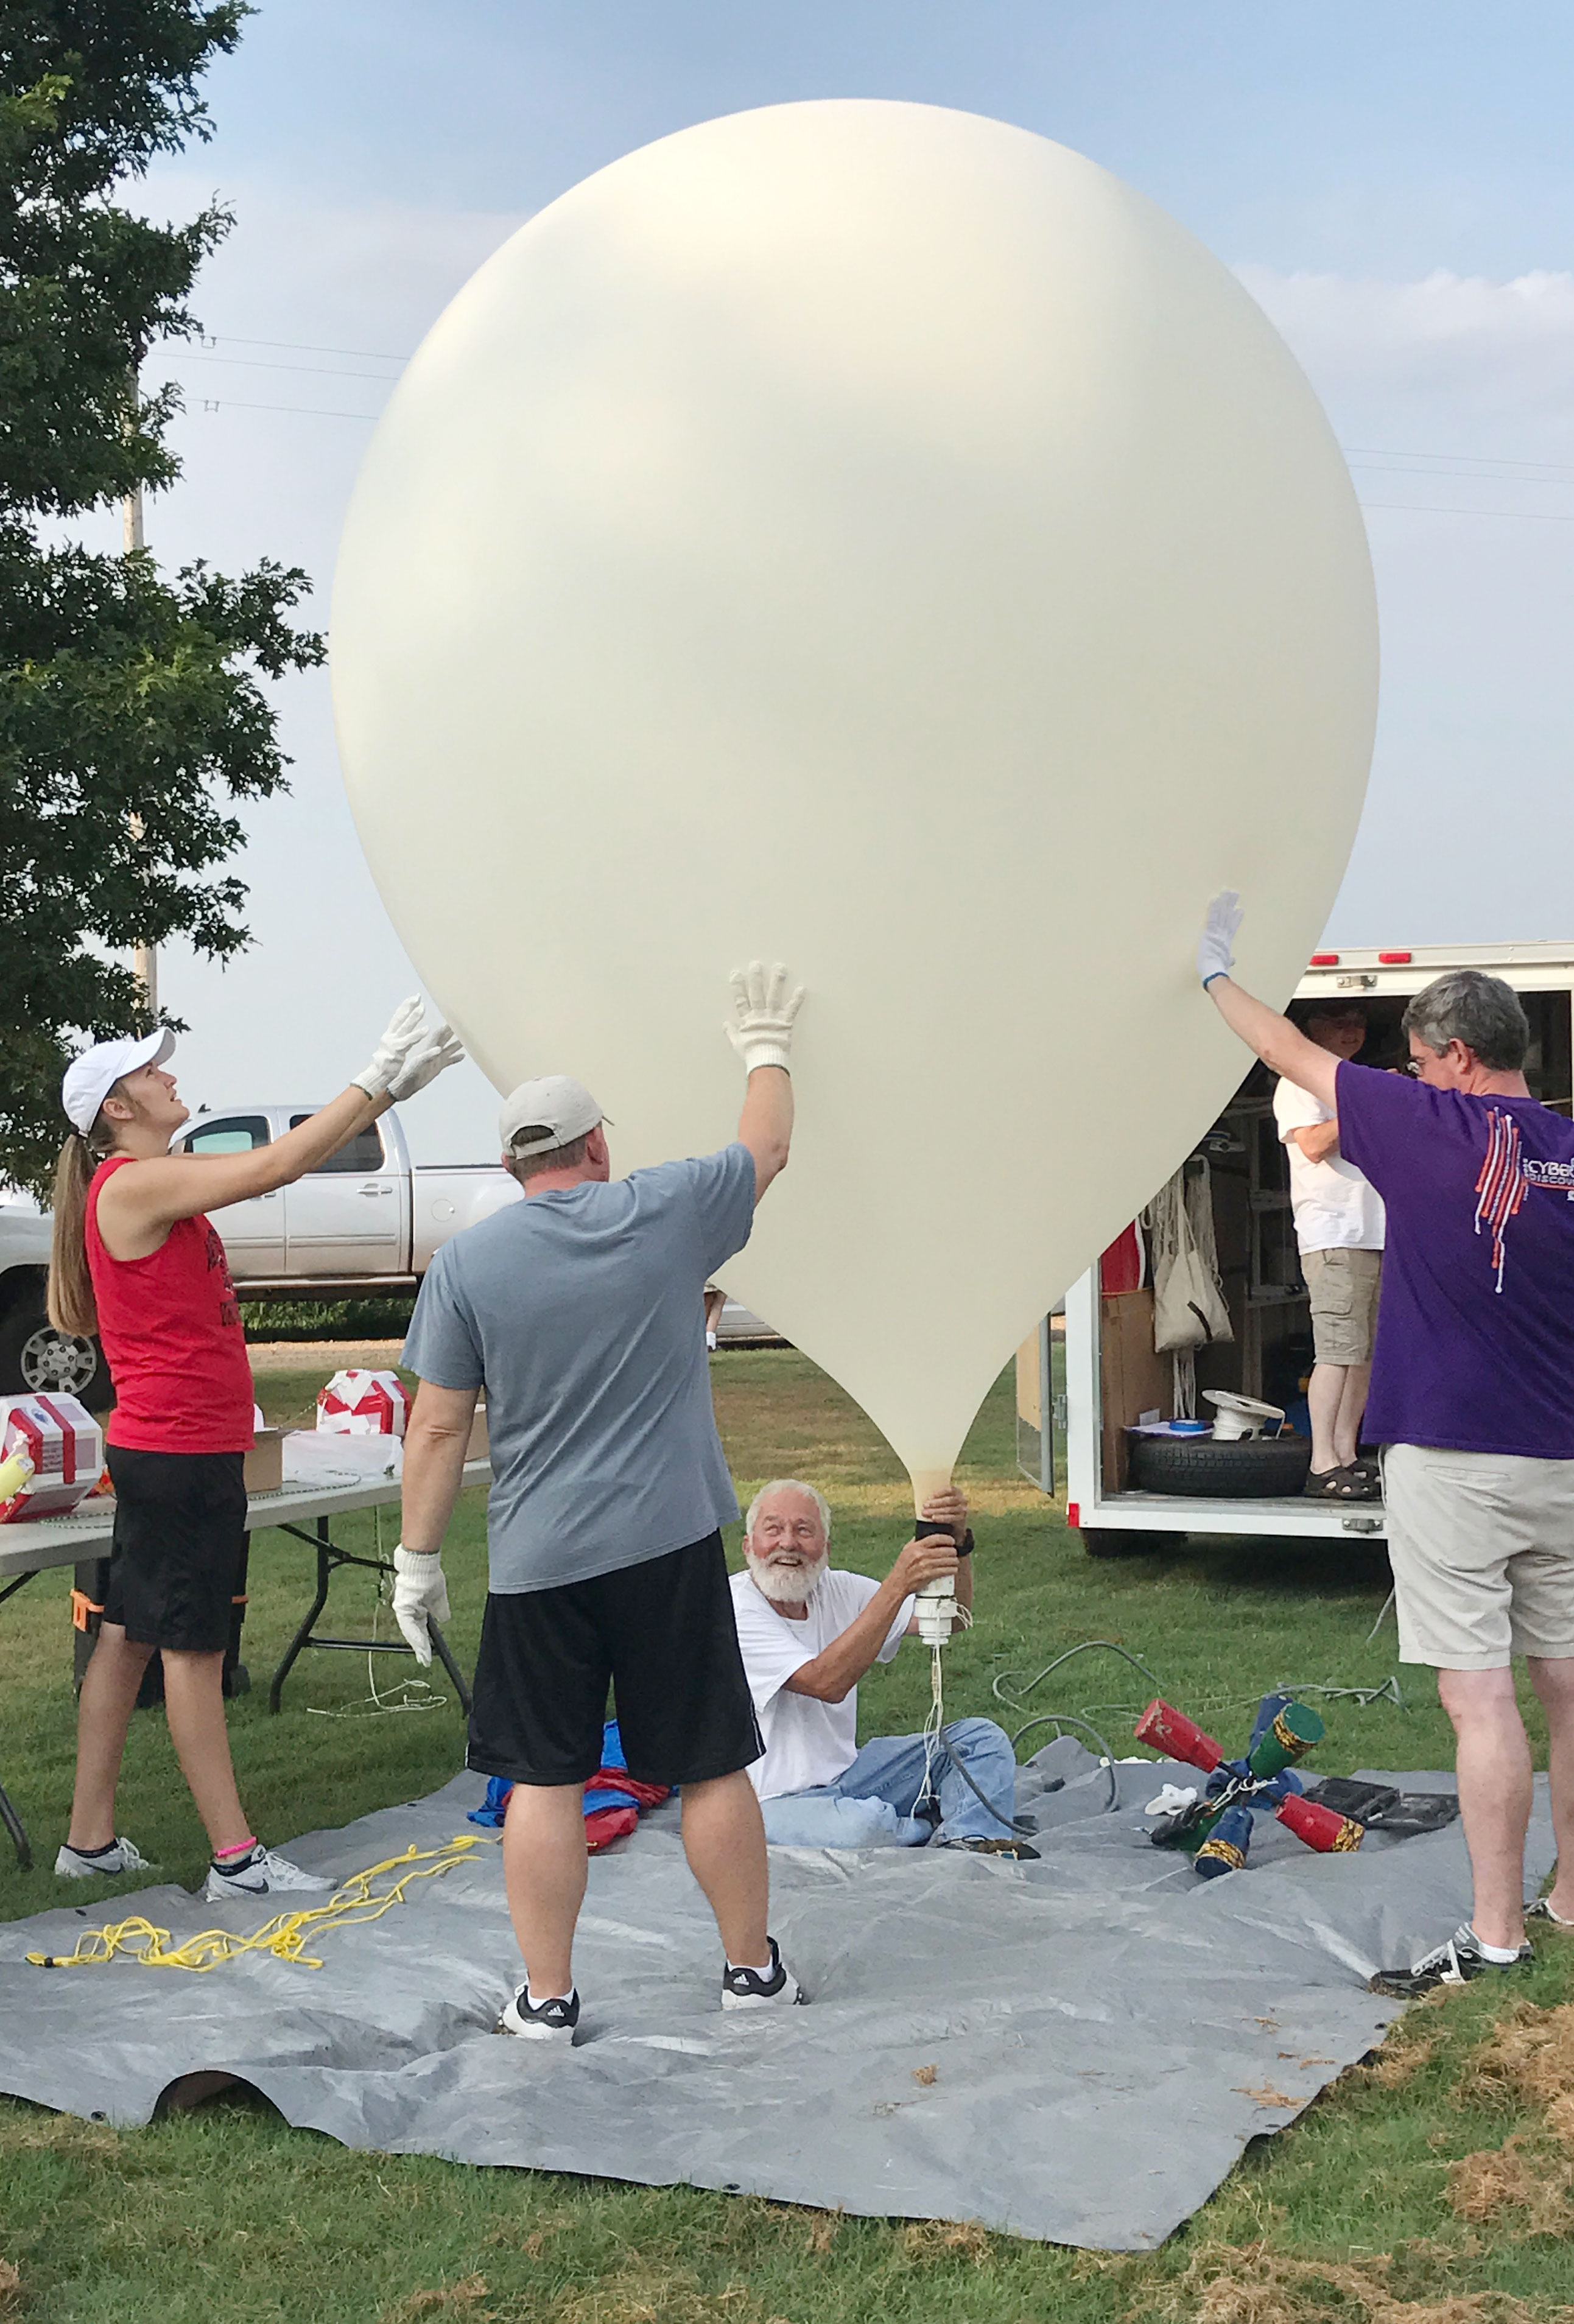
[[784, 1584]]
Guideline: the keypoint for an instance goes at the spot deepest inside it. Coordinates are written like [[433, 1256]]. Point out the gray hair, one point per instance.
[[789, 1485], [1468, 1005]]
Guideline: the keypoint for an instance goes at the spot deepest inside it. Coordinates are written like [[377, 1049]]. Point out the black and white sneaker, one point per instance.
[[105, 1863], [1541, 1910], [753, 1988], [540, 2021], [1454, 1962], [260, 1874]]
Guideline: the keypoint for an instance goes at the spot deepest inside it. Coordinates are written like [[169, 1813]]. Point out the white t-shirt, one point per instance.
[[805, 1742], [1335, 1207]]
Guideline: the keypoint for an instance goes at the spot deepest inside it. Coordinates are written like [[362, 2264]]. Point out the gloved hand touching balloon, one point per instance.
[[438, 1047], [764, 1006], [411, 1054], [1215, 946], [420, 1597], [405, 1028]]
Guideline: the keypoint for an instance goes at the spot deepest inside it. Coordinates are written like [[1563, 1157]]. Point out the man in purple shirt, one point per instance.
[[1472, 1396]]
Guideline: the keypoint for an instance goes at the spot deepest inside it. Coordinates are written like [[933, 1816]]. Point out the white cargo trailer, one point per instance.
[[1112, 1377]]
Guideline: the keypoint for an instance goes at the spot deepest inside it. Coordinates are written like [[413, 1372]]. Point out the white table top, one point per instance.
[[61, 1541]]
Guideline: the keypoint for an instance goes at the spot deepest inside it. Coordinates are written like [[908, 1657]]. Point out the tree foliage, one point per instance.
[[133, 712]]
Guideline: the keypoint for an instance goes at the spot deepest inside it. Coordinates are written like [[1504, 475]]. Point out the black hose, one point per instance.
[[1003, 1693], [1065, 1718]]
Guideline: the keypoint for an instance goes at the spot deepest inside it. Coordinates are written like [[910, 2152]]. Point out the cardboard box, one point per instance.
[[264, 1469], [65, 1445], [363, 1403], [1135, 1378]]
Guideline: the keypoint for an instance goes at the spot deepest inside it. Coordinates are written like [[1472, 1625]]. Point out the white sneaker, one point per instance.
[[752, 1988], [555, 2020], [261, 1874], [123, 1857]]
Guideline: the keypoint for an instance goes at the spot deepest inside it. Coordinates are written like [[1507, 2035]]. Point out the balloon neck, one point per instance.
[[927, 1481]]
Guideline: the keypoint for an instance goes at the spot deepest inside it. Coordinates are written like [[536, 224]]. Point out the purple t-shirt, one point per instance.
[[1476, 1323]]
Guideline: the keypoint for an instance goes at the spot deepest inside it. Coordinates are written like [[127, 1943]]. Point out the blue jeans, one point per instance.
[[871, 1804]]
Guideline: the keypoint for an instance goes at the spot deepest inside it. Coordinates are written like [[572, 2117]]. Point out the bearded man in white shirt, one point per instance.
[[808, 1633], [1339, 1229]]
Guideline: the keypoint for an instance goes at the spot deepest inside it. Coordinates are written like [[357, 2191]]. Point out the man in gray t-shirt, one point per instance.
[[581, 1311]]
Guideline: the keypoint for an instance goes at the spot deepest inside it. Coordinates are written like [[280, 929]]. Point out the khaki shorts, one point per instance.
[[1343, 1285], [1482, 1547]]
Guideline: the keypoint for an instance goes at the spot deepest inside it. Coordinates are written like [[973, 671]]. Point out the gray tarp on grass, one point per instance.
[[1107, 2031]]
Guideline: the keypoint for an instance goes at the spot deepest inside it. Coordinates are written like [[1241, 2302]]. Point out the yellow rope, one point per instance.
[[284, 1936]]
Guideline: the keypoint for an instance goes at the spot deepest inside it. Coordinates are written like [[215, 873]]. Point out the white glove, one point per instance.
[[405, 1028], [437, 1048], [1219, 930], [420, 1595], [761, 1025], [1170, 1800]]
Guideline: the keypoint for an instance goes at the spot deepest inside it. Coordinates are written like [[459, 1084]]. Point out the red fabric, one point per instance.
[[1121, 1267], [603, 1825], [172, 1335]]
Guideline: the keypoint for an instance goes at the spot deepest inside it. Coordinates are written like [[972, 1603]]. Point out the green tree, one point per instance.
[[132, 710]]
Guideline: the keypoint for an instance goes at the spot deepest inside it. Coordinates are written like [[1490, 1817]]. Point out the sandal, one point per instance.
[[1339, 1485]]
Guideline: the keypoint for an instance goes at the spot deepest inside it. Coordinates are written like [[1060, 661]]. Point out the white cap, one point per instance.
[[558, 1108], [95, 1073]]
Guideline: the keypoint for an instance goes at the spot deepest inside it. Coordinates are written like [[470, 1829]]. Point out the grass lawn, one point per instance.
[[1435, 2187]]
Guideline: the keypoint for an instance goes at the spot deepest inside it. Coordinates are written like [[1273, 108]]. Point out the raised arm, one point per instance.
[[761, 1028], [1283, 1047], [836, 1670], [142, 1202]]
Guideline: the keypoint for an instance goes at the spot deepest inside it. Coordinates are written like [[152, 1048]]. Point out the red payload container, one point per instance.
[[65, 1445], [363, 1403]]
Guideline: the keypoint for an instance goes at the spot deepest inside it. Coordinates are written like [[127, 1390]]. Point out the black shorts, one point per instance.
[[661, 1634], [179, 1540]]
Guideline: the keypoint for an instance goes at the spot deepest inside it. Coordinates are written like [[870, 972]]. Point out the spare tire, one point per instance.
[[1250, 1469]]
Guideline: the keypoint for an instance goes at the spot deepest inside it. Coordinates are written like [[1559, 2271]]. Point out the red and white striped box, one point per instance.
[[363, 1403], [65, 1445]]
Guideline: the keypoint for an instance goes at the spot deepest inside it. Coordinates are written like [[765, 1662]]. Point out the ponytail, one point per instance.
[[72, 1304]]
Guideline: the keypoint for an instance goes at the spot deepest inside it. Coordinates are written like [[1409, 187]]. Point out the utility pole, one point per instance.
[[144, 959]]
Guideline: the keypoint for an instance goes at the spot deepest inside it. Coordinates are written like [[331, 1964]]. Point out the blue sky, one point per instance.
[[1392, 182]]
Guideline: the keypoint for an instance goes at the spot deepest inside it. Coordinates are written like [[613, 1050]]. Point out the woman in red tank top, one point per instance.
[[136, 1260]]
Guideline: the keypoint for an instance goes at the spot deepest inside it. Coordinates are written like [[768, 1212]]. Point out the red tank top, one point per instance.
[[172, 1335]]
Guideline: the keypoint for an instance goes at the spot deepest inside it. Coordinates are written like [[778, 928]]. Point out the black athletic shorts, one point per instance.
[[180, 1538], [662, 1635]]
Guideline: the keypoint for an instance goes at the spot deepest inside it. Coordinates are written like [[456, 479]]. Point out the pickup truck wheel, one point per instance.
[[35, 1360]]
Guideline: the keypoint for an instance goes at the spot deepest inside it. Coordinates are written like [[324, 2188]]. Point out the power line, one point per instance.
[[1425, 508], [305, 411], [311, 371], [298, 347], [1480, 459]]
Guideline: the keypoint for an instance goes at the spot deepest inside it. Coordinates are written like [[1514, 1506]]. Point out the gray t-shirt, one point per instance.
[[582, 1313]]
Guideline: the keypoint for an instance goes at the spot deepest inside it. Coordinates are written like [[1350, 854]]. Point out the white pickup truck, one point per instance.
[[367, 1223]]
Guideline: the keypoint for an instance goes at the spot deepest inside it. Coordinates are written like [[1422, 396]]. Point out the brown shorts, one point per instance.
[[1343, 1285]]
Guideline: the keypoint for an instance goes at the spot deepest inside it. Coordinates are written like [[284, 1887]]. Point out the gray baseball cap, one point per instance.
[[557, 1107]]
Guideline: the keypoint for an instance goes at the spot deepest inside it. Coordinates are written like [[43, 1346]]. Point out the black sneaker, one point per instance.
[[1453, 1963], [1017, 1850], [540, 2021], [1541, 1910], [750, 1988]]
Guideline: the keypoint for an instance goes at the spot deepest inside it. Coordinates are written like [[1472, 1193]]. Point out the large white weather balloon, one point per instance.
[[876, 537]]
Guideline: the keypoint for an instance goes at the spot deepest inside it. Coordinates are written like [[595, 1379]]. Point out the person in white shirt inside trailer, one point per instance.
[[809, 1631], [1340, 1229]]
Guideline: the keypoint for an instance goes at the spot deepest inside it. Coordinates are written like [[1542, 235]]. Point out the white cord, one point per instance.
[[413, 1693]]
